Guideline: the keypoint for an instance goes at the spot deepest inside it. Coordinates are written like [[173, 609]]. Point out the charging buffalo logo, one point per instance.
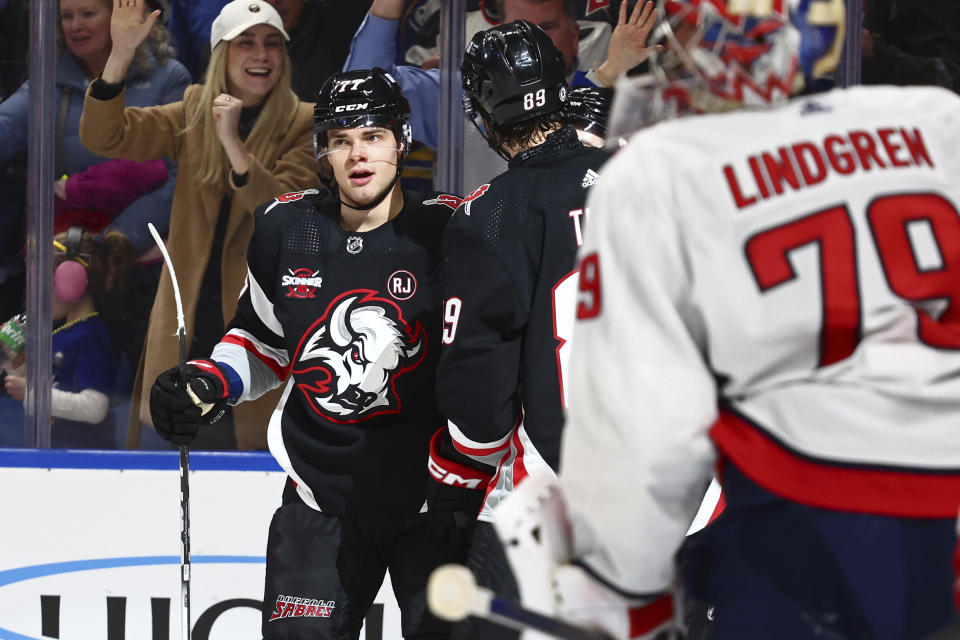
[[290, 607], [347, 362], [301, 283]]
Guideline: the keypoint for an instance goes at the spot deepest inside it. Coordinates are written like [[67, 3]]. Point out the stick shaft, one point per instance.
[[184, 453], [184, 543]]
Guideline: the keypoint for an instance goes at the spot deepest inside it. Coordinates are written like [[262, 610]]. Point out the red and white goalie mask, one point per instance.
[[721, 55]]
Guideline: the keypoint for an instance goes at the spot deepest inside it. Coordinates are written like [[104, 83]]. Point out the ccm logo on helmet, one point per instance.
[[351, 107]]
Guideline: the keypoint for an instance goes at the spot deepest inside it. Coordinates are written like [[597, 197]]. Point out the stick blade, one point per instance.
[[451, 592]]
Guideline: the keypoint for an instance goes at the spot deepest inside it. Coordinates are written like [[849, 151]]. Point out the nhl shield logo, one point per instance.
[[401, 285], [354, 244]]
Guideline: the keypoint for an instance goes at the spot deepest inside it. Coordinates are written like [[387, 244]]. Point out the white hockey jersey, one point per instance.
[[782, 287]]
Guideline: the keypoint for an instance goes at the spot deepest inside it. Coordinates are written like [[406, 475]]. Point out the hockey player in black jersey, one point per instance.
[[509, 282], [342, 306]]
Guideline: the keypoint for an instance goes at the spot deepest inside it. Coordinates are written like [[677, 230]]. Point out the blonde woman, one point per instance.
[[240, 138]]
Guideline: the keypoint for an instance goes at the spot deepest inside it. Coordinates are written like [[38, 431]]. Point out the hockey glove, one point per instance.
[[178, 411], [455, 490], [585, 601]]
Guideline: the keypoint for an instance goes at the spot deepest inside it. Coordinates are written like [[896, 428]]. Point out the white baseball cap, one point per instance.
[[239, 15]]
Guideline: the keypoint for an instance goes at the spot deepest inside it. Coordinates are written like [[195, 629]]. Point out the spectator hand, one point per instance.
[[15, 387], [60, 188], [128, 24], [226, 115], [178, 412], [628, 44], [433, 62]]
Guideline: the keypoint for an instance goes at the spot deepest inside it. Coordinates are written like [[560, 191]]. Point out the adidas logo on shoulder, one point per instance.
[[590, 178]]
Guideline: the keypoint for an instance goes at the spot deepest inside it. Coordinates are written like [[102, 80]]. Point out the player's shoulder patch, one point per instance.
[[455, 202], [293, 196]]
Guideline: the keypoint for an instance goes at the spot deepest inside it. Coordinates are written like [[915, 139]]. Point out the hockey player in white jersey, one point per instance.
[[773, 294]]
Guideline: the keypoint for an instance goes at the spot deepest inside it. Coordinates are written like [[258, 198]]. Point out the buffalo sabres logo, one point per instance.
[[348, 361]]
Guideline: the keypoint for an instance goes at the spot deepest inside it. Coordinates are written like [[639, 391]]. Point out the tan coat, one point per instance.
[[108, 129]]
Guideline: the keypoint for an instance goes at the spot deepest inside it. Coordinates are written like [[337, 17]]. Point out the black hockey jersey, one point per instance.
[[350, 322], [509, 288]]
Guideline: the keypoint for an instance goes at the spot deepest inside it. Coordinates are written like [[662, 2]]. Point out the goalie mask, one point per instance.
[[722, 55], [356, 99], [511, 73]]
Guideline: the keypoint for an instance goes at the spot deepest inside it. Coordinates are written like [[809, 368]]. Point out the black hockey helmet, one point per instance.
[[511, 73], [588, 108], [362, 98]]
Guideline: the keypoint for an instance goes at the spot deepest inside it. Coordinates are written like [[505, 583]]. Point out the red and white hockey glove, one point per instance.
[[455, 490], [585, 601]]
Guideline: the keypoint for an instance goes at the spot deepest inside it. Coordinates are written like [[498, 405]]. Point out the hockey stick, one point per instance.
[[184, 452], [453, 594]]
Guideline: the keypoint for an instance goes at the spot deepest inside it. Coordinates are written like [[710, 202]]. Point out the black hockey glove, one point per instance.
[[177, 413], [455, 490]]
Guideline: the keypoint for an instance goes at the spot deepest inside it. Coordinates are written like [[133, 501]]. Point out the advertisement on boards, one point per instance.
[[90, 547]]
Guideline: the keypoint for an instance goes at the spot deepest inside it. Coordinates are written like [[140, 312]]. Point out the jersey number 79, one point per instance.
[[890, 218]]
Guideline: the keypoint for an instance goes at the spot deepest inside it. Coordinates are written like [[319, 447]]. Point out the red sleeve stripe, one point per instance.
[[469, 447], [279, 370], [215, 370], [820, 483], [519, 468], [474, 451]]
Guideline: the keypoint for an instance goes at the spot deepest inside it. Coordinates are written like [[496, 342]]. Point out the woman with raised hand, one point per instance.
[[84, 44], [240, 138]]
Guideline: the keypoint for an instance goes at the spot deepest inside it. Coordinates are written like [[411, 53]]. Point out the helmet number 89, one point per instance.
[[532, 100]]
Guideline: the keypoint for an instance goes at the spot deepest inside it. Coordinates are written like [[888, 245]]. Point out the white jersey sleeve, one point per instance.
[[636, 456]]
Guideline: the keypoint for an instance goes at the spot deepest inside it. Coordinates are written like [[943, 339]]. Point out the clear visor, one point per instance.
[[364, 140]]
